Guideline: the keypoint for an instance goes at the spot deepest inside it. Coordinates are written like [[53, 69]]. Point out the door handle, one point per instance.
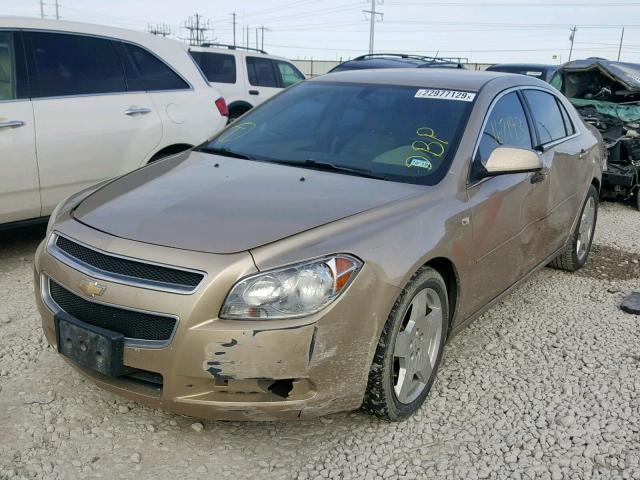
[[12, 124], [254, 92], [583, 153], [137, 111]]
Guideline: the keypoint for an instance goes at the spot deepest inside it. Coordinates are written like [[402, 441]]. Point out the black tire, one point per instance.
[[236, 113], [380, 398], [568, 259], [637, 198]]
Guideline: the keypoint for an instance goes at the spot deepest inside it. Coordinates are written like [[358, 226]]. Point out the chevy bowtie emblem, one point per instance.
[[92, 289]]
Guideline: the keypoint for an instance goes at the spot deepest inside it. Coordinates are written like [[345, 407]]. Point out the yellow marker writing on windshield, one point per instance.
[[429, 133], [236, 131], [432, 148]]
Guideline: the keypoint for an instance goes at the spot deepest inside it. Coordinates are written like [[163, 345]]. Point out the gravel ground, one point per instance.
[[545, 385]]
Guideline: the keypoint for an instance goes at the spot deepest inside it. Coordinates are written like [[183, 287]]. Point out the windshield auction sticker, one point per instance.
[[445, 94]]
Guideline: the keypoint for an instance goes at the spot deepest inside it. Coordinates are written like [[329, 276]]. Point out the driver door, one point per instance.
[[500, 205]]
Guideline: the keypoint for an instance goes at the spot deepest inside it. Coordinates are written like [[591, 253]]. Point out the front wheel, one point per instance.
[[410, 348], [575, 253]]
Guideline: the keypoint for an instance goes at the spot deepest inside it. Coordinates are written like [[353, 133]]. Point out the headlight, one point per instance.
[[289, 292]]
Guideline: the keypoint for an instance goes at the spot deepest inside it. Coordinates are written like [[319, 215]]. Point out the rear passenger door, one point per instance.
[[19, 188], [263, 79], [91, 124], [564, 177], [184, 114]]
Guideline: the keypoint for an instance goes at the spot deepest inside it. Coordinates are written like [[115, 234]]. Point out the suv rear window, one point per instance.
[[261, 72], [8, 90], [155, 74], [217, 67], [289, 74], [390, 131], [67, 64]]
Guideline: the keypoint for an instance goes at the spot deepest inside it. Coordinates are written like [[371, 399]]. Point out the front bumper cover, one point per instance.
[[235, 370]]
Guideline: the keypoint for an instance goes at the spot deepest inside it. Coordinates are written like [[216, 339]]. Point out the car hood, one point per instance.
[[208, 203]]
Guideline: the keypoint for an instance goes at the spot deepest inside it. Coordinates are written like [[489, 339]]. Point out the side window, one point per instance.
[[8, 87], [217, 67], [568, 124], [261, 72], [546, 115], [289, 74], [67, 64], [506, 126], [155, 74]]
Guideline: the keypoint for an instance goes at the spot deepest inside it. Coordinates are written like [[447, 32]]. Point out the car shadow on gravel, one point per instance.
[[609, 263], [21, 241]]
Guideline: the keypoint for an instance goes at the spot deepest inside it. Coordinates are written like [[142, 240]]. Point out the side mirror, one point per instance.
[[505, 160]]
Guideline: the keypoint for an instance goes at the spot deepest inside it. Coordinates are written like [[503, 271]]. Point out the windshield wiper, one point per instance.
[[227, 152], [326, 166]]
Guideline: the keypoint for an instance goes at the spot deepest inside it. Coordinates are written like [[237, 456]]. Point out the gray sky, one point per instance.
[[493, 31]]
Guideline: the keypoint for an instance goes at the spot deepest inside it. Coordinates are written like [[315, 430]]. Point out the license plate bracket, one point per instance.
[[91, 347]]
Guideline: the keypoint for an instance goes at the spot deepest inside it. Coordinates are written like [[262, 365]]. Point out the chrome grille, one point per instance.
[[119, 269]]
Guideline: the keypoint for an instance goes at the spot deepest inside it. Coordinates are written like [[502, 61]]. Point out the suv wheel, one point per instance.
[[235, 113], [410, 348]]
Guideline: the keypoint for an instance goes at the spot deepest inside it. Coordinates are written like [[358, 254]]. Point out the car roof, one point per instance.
[[393, 60], [232, 51], [443, 78], [83, 28], [530, 66]]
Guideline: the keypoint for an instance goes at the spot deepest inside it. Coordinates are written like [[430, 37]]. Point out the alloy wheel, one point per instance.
[[585, 230], [417, 345]]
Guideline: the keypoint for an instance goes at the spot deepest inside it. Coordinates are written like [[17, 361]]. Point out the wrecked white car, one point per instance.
[[607, 95]]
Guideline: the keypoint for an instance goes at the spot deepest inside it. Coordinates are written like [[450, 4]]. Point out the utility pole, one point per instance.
[[57, 10], [247, 36], [257, 46], [374, 16], [572, 37], [620, 47], [262, 41], [41, 8], [234, 28], [197, 28]]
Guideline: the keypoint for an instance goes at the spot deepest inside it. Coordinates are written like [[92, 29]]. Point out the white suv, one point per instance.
[[82, 103], [245, 77]]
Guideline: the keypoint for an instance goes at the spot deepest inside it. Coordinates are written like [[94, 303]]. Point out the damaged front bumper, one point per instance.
[[223, 369]]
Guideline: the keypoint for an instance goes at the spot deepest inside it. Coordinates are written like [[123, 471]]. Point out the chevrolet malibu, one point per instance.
[[316, 255]]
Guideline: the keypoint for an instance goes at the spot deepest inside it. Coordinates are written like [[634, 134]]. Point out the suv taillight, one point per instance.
[[222, 107]]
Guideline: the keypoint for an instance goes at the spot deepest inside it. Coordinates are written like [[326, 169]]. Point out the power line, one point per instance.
[[514, 5]]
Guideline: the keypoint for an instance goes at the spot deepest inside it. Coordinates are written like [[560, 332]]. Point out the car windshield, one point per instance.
[[405, 134]]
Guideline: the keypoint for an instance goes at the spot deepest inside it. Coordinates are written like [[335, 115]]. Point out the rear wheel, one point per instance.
[[410, 348], [576, 252], [235, 113]]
